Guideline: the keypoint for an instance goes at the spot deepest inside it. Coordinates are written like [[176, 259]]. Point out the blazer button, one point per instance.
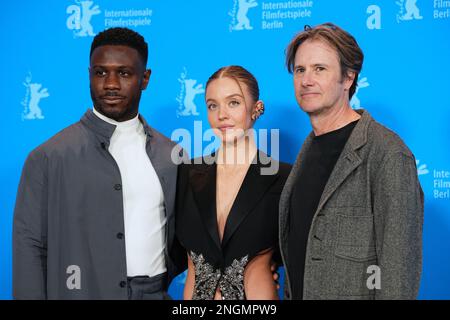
[[118, 186], [122, 284], [119, 235]]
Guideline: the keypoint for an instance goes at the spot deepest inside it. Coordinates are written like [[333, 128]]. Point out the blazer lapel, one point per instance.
[[203, 182], [253, 188], [348, 160], [344, 166]]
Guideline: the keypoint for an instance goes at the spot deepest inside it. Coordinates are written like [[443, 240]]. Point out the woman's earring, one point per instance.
[[259, 110]]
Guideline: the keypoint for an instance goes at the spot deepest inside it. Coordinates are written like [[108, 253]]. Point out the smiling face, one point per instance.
[[117, 76], [319, 85], [230, 108]]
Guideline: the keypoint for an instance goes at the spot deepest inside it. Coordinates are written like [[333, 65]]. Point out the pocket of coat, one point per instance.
[[355, 239], [358, 254]]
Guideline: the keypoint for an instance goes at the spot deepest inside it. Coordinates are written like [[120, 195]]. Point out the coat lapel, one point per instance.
[[253, 188], [348, 160], [346, 164], [203, 182]]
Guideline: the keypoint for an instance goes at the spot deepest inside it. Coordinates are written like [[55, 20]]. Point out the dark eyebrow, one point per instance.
[[227, 97], [114, 66], [320, 65], [314, 65], [234, 95]]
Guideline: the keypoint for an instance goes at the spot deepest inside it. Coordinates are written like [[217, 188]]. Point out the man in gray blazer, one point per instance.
[[94, 216], [351, 211]]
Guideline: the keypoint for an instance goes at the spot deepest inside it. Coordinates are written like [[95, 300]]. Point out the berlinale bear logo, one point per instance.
[[80, 18], [240, 21], [187, 94], [408, 10], [33, 96]]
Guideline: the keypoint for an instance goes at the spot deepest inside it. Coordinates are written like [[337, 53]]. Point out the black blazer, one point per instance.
[[252, 224]]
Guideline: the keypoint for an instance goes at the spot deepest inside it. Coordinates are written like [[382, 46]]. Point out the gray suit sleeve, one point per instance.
[[398, 210], [30, 231]]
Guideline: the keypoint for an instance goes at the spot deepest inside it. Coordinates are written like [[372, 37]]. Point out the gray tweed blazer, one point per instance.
[[365, 240]]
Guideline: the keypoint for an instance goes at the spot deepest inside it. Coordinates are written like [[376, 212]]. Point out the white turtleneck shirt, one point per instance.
[[143, 199]]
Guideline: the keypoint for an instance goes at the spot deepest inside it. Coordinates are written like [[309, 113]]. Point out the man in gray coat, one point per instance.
[[351, 211], [94, 216]]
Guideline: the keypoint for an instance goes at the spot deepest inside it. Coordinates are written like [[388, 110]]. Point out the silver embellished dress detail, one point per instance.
[[207, 279]]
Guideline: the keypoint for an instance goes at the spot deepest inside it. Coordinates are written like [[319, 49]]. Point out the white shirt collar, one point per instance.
[[128, 124]]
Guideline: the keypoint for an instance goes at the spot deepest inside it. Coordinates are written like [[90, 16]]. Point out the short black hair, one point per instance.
[[121, 37]]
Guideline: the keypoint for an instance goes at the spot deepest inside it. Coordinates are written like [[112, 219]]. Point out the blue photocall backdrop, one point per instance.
[[404, 83]]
